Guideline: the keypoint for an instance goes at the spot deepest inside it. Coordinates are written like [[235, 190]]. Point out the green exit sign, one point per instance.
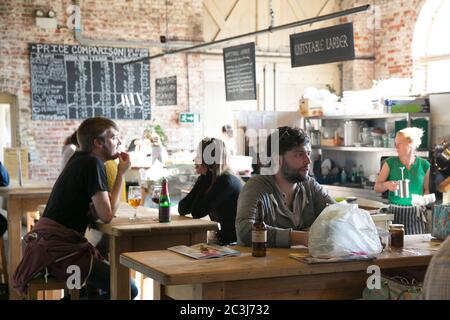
[[187, 117]]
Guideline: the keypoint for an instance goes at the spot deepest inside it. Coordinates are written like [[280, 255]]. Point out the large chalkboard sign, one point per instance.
[[322, 46], [78, 82], [166, 91], [240, 75]]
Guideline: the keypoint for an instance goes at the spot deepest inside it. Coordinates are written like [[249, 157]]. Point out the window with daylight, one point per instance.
[[431, 48]]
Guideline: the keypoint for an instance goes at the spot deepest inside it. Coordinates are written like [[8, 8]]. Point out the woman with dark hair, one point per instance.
[[216, 190]]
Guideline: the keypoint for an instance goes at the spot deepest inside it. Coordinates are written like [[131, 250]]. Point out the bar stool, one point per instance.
[[40, 284], [33, 216]]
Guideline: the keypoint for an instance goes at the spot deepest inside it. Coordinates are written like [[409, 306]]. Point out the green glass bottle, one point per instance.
[[164, 202]]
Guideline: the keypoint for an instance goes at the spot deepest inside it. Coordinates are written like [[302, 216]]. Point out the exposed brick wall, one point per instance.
[[385, 33], [144, 20], [109, 20]]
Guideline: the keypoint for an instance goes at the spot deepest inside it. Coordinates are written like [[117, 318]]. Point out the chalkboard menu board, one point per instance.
[[240, 75], [79, 82], [166, 91], [325, 45]]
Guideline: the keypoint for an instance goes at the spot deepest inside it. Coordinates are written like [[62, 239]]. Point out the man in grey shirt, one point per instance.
[[291, 199]]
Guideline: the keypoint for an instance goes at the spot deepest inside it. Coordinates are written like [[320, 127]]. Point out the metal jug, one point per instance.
[[403, 188]]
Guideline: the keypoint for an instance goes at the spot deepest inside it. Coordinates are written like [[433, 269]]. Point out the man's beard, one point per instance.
[[107, 154], [290, 174]]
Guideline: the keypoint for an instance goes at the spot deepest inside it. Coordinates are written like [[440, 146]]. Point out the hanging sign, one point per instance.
[[326, 45], [240, 75], [166, 91]]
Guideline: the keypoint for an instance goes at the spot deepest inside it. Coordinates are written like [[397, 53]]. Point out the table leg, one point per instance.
[[198, 237], [120, 275], [14, 242], [159, 291]]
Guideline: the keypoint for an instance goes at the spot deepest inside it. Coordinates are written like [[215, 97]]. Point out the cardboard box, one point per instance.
[[309, 108]]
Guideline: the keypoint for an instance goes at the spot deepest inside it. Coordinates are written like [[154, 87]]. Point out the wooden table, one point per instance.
[[147, 234], [19, 200], [275, 276]]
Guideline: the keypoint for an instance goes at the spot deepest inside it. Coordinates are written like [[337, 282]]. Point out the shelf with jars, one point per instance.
[[365, 133], [356, 146]]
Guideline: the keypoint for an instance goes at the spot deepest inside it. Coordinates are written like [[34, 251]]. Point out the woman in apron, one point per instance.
[[416, 170]]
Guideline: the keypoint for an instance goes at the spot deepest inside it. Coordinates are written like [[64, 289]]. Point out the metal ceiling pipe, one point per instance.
[[270, 29]]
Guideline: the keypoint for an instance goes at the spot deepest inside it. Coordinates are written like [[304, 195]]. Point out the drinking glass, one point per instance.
[[134, 199], [155, 194]]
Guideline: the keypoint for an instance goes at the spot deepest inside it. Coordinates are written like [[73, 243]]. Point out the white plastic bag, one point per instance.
[[343, 230]]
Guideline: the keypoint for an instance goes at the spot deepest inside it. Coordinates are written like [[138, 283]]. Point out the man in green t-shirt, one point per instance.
[[416, 170]]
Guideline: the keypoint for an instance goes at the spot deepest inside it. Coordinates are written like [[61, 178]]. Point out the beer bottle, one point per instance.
[[164, 202], [259, 233]]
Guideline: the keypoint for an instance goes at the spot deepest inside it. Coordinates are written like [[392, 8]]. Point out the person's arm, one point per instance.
[[320, 197], [105, 206], [102, 206], [381, 185], [206, 202], [185, 204], [426, 183], [246, 213]]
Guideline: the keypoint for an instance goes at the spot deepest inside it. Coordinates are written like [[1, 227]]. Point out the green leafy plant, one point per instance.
[[159, 131]]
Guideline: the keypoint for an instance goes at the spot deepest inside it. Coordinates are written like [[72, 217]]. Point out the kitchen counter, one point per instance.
[[339, 191]]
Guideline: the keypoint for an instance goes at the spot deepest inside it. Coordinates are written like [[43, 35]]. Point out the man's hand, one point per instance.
[[299, 238], [124, 163]]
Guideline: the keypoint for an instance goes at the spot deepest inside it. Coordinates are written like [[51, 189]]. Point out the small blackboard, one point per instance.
[[166, 91], [79, 82], [325, 45], [240, 74]]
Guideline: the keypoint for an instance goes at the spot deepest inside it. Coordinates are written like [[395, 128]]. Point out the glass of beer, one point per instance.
[[134, 199]]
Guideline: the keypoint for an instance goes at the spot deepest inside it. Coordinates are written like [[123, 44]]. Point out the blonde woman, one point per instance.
[[216, 190], [416, 169]]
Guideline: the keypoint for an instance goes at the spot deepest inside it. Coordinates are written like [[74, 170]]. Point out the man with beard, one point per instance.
[[291, 199], [80, 195]]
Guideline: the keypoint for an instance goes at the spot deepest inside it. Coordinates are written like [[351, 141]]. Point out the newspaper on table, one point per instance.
[[204, 251]]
